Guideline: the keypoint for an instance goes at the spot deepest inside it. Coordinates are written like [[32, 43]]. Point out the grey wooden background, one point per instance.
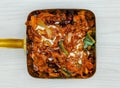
[[13, 70]]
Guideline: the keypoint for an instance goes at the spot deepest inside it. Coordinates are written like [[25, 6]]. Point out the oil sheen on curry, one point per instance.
[[61, 43]]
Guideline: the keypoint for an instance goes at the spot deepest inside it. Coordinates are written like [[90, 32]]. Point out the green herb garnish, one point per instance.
[[89, 39]]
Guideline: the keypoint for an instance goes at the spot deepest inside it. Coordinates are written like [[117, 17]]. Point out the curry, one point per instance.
[[61, 43]]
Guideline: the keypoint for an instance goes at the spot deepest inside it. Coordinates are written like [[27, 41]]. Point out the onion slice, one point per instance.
[[69, 37]]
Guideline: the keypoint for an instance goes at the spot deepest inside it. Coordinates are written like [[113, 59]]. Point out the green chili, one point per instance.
[[62, 47]]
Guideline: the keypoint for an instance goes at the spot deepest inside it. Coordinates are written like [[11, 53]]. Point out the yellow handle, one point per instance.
[[12, 43]]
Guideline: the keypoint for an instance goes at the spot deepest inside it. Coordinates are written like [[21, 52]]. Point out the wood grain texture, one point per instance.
[[13, 70]]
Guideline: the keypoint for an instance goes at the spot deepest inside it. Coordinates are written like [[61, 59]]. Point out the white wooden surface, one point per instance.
[[13, 70]]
